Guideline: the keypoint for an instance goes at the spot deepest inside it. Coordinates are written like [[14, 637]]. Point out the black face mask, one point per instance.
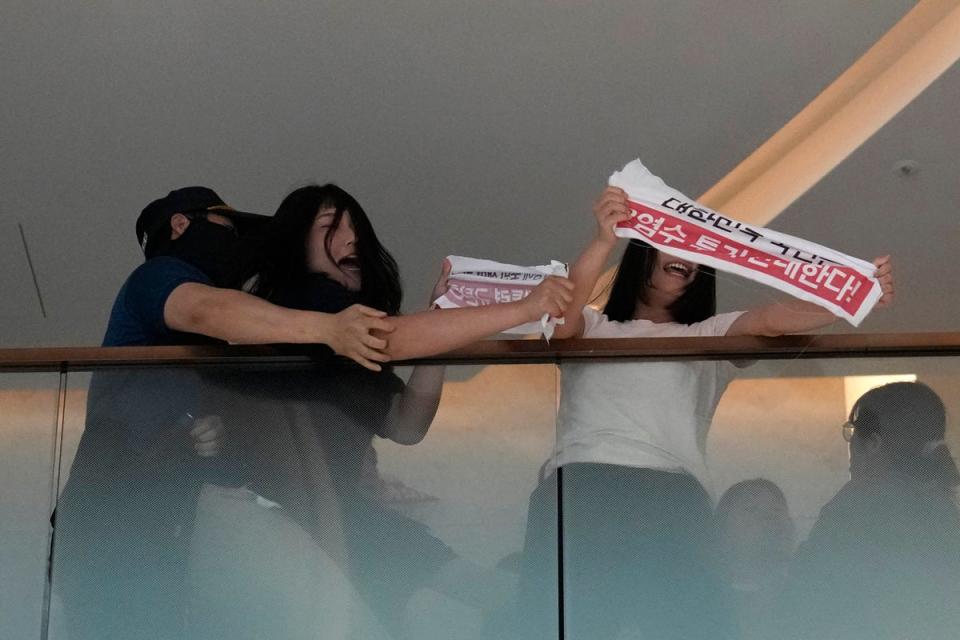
[[212, 248]]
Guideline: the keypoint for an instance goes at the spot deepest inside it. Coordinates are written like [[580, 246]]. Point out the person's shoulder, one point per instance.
[[714, 326], [165, 268], [884, 502], [137, 314], [596, 324]]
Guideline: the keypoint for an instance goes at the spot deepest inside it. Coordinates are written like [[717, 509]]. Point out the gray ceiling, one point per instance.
[[477, 128]]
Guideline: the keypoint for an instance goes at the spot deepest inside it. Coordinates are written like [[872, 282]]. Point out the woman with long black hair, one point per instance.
[[304, 440], [638, 539]]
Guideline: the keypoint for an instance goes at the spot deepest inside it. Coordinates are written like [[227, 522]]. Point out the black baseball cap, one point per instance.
[[156, 215]]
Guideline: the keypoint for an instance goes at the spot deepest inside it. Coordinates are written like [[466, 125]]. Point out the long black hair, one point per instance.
[[284, 247], [697, 303]]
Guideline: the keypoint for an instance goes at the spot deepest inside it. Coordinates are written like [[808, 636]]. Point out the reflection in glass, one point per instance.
[[243, 503], [28, 428], [883, 559], [210, 503], [756, 547], [123, 521]]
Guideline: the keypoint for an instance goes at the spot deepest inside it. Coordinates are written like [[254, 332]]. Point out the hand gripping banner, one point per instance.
[[475, 283], [673, 223]]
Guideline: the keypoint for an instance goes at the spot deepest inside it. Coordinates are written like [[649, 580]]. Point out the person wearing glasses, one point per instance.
[[883, 559], [629, 460]]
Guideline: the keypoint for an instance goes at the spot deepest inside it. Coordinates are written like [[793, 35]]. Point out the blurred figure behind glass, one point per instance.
[[883, 559], [757, 536]]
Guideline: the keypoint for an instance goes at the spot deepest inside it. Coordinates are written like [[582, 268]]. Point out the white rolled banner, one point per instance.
[[677, 225], [475, 283]]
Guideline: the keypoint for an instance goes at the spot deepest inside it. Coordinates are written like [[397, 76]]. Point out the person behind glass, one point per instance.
[[121, 523], [883, 559], [637, 521], [756, 546], [320, 253]]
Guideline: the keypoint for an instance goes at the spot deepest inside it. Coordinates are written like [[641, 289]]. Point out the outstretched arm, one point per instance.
[[795, 316], [609, 209], [240, 318], [439, 330]]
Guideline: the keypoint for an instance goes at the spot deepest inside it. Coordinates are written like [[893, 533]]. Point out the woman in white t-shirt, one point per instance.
[[637, 534]]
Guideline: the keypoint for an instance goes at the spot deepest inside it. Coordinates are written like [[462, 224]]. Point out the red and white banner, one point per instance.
[[673, 223], [476, 283]]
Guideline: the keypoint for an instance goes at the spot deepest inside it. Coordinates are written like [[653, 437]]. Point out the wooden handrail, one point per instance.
[[504, 351]]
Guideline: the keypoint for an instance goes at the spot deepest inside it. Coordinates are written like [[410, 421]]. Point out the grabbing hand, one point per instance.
[[884, 274], [609, 209], [208, 436], [441, 287], [352, 335], [550, 296]]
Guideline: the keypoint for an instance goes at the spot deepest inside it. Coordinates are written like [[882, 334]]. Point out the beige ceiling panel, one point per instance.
[[924, 44]]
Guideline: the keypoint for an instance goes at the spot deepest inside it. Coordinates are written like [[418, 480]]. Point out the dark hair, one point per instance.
[[697, 303], [909, 417], [283, 247], [745, 489]]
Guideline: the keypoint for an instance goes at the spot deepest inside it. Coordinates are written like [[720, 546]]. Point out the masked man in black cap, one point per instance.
[[123, 523], [186, 290]]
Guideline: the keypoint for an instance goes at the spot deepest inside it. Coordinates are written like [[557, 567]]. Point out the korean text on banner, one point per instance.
[[673, 223], [475, 283]]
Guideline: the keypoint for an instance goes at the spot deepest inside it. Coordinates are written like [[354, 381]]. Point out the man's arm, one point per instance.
[[240, 318]]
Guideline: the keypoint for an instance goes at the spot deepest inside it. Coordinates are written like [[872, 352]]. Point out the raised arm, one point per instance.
[[795, 316], [240, 318], [609, 209]]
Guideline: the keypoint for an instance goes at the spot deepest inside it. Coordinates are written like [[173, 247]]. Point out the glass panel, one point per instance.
[[28, 427], [774, 525], [312, 503], [207, 503]]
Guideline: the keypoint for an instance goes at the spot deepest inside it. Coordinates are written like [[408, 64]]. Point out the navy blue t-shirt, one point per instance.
[[137, 315], [148, 402], [133, 483]]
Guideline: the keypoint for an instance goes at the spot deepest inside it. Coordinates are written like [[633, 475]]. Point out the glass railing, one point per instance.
[[510, 490]]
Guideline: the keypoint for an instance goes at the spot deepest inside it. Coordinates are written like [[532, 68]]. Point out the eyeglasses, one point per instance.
[[847, 430]]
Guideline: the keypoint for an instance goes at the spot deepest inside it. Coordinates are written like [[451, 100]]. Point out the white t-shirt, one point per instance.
[[641, 414]]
